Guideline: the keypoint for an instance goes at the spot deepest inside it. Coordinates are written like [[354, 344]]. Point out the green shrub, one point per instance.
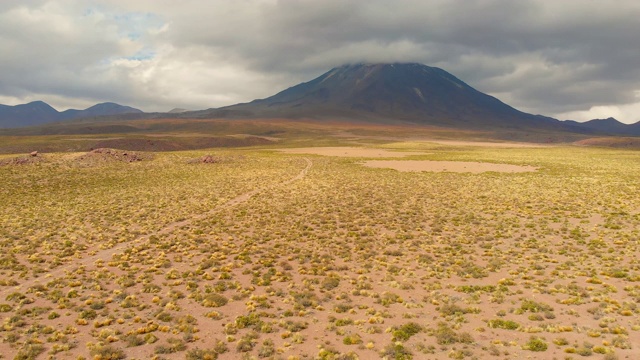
[[245, 345], [342, 308], [503, 324], [535, 344], [344, 322], [164, 316], [352, 340], [29, 352], [53, 315], [174, 345], [244, 321], [330, 282], [534, 307], [88, 314], [396, 352], [267, 349], [134, 340], [107, 352], [214, 300], [207, 354], [404, 332], [561, 341], [445, 335]]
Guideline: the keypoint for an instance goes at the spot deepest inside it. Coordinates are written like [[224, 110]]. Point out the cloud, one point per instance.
[[568, 58]]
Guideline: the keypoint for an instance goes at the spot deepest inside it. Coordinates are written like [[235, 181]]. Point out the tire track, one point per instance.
[[108, 253]]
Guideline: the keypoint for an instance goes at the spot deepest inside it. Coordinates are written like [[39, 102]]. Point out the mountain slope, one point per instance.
[[33, 113], [39, 112], [103, 109], [409, 92]]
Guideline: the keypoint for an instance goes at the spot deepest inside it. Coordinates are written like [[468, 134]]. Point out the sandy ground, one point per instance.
[[244, 136], [430, 139], [270, 250], [449, 166], [349, 152], [487, 144]]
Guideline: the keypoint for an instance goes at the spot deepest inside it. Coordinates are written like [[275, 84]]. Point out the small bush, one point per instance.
[[404, 332], [535, 344], [445, 335], [207, 354], [29, 351], [174, 345], [88, 314], [164, 316], [245, 345], [344, 322], [560, 341], [396, 352], [534, 307], [134, 340], [503, 324], [330, 282], [107, 353], [352, 340], [214, 300], [267, 349]]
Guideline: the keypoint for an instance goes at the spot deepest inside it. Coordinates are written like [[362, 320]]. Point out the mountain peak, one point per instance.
[[111, 108], [39, 112], [400, 91], [38, 104]]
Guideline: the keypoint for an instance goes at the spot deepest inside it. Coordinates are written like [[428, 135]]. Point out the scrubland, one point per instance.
[[273, 255]]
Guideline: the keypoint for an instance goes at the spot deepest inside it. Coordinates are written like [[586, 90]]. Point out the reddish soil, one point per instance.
[[179, 143], [105, 154], [613, 142], [32, 158]]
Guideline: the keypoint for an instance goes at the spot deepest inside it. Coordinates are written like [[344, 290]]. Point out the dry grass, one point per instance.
[[447, 166], [269, 255]]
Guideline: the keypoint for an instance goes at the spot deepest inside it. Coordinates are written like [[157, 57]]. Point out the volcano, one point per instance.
[[407, 92]]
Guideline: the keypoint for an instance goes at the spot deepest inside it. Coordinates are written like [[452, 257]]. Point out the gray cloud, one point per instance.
[[568, 59]]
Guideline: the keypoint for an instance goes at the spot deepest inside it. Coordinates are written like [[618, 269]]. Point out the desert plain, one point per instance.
[[306, 243]]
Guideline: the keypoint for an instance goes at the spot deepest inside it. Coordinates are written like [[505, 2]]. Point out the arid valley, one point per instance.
[[319, 180], [299, 249]]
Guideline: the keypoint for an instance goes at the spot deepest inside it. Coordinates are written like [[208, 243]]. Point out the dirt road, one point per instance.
[[107, 254]]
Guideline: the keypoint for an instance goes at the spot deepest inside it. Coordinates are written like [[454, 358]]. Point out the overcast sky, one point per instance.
[[564, 58]]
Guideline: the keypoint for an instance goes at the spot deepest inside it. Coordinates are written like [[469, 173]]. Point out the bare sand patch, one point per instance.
[[443, 141], [350, 152], [488, 144], [244, 136], [448, 166]]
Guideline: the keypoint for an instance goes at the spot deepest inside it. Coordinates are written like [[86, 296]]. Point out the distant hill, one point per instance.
[[381, 93], [610, 126], [177, 110], [39, 112], [33, 113]]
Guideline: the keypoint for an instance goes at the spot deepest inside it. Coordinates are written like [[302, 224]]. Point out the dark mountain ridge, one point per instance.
[[382, 93], [39, 112], [609, 126], [400, 91]]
